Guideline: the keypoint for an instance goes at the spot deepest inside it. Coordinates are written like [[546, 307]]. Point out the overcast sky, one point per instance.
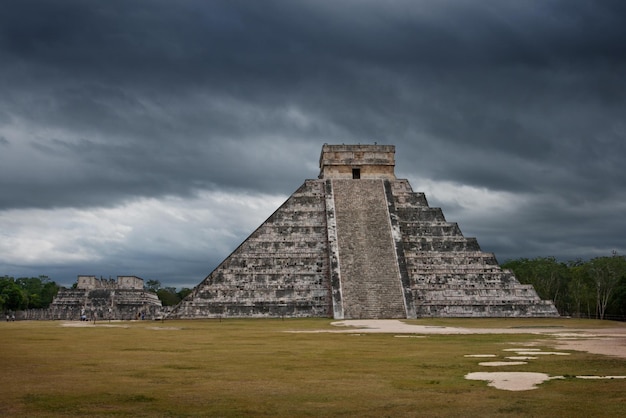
[[151, 137]]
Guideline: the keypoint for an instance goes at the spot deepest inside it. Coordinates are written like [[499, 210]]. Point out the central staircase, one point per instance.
[[370, 279]]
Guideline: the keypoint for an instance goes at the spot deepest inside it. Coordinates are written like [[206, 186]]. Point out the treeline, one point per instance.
[[26, 293], [168, 296], [591, 289]]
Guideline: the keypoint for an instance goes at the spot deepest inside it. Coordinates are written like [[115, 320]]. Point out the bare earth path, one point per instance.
[[606, 341]]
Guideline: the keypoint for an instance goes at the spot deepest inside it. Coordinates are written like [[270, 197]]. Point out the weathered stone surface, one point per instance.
[[364, 161], [370, 278], [359, 243], [101, 299], [449, 274], [281, 269]]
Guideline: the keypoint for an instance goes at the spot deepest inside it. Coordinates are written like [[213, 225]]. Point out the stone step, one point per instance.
[[370, 279]]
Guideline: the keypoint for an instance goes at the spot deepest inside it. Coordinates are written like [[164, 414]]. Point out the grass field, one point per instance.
[[234, 368]]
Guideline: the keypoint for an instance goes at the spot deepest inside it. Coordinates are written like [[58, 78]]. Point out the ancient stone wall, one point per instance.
[[449, 274], [369, 161], [129, 282], [90, 313], [122, 282], [103, 299], [281, 269], [360, 244]]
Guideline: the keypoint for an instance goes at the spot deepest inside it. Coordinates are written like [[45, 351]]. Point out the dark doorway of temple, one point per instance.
[[356, 173]]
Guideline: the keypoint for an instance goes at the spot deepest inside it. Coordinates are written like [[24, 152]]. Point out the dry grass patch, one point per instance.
[[239, 368]]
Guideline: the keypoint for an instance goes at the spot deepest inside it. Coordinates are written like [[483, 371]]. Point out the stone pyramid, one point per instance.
[[358, 243]]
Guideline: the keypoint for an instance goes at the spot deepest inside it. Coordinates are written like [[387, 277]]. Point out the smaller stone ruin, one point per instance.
[[105, 299]]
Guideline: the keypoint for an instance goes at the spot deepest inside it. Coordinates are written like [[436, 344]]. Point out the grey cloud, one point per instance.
[[110, 102]]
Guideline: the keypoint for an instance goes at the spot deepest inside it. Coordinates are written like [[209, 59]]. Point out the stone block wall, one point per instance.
[[449, 274], [99, 304], [281, 269], [358, 243], [372, 161], [122, 282], [129, 282]]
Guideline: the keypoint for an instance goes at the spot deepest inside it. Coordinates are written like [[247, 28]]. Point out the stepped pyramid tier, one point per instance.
[[359, 243]]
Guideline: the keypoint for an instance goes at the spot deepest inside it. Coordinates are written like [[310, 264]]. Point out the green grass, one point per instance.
[[235, 368]]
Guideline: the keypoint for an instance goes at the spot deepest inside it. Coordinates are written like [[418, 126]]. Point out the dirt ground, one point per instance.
[[603, 341], [606, 341]]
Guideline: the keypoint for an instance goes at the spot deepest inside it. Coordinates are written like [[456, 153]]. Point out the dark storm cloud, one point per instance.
[[108, 102]]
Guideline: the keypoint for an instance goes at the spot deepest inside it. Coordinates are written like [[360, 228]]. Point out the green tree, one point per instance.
[[182, 293], [619, 305], [548, 276], [48, 292], [153, 285], [39, 290], [580, 290], [606, 274], [12, 297], [168, 296]]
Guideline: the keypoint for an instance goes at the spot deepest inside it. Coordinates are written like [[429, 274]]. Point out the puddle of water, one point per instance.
[[542, 353], [574, 335], [410, 336], [84, 324], [164, 328], [518, 381], [502, 363], [480, 355], [513, 381], [522, 349], [522, 358]]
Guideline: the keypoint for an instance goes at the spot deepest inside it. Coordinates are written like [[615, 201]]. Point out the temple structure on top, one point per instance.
[[367, 162], [359, 243]]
